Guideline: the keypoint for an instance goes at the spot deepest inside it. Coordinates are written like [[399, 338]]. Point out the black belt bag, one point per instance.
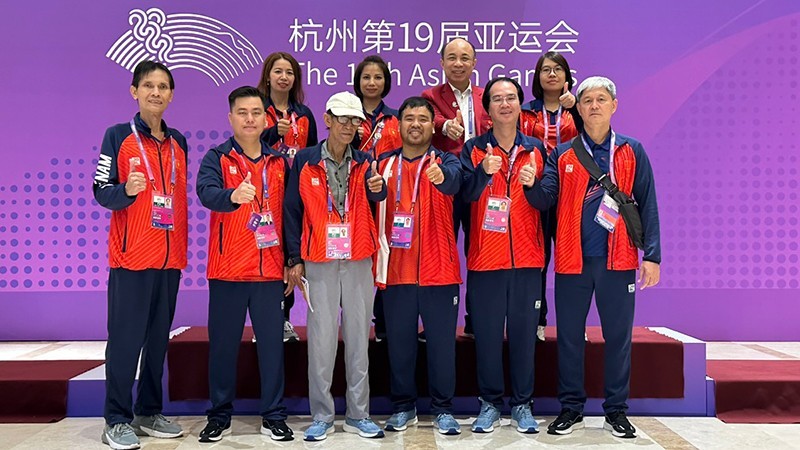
[[627, 207]]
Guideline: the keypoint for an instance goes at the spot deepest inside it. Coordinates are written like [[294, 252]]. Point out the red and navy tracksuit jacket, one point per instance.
[[390, 134], [432, 259], [532, 123], [523, 245], [233, 254], [133, 243], [306, 213], [566, 182], [306, 127]]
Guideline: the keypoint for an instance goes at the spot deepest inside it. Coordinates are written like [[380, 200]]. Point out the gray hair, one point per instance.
[[597, 82]]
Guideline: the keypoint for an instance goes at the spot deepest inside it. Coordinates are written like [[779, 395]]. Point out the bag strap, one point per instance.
[[594, 170]]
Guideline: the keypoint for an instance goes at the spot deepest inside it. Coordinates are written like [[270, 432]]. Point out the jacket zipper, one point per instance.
[[125, 237], [220, 237], [163, 186]]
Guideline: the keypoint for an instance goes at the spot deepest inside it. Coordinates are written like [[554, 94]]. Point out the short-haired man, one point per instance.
[[594, 253], [418, 266], [242, 181]]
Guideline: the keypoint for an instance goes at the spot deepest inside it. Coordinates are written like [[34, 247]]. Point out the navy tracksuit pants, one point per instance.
[[403, 305], [505, 300], [614, 293], [229, 302], [141, 305]]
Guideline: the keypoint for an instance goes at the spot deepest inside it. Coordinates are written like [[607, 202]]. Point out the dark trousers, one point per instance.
[[461, 211], [141, 305], [614, 292], [505, 300], [228, 305], [549, 230], [438, 306]]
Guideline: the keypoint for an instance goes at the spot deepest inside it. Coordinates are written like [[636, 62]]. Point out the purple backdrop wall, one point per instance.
[[710, 91]]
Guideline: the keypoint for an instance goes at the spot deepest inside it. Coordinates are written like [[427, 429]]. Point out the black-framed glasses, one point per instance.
[[344, 120]]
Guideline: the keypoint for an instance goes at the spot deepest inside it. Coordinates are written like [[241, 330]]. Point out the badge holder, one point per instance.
[[162, 216], [338, 241], [402, 230], [495, 218], [608, 213]]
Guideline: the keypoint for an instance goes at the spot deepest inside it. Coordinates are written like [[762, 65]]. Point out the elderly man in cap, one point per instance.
[[330, 185]]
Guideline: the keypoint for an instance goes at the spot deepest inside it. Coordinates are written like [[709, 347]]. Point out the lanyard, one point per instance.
[[610, 154], [264, 185], [330, 192], [295, 130], [546, 118], [471, 118], [147, 162], [400, 185]]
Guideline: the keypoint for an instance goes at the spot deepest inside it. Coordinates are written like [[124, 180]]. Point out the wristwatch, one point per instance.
[[294, 260]]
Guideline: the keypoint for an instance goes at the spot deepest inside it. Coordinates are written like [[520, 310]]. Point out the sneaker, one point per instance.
[[277, 430], [401, 420], [447, 424], [468, 332], [522, 418], [380, 336], [421, 337], [619, 425], [540, 333], [120, 436], [318, 431], [488, 418], [365, 428], [566, 422], [214, 431], [288, 332], [156, 426]]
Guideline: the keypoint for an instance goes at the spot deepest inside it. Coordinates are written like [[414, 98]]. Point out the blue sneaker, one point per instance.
[[318, 431], [488, 418], [447, 424], [401, 420], [365, 428], [522, 418]]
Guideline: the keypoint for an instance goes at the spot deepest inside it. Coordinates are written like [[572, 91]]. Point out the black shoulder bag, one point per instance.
[[627, 207]]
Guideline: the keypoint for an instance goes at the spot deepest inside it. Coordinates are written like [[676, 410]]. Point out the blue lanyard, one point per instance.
[[147, 162]]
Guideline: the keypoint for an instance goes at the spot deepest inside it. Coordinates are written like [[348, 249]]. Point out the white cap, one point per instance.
[[345, 104]]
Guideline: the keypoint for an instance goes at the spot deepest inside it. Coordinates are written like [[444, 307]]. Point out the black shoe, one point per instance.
[[380, 336], [277, 430], [566, 422], [214, 431], [421, 336], [619, 425], [469, 333]]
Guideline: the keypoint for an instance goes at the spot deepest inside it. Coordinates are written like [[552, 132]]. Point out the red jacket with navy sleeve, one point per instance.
[[565, 181], [432, 259], [306, 213], [306, 127], [523, 245], [389, 138], [532, 122], [232, 251], [133, 243]]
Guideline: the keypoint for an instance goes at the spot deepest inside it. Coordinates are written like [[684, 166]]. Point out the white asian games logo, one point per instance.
[[185, 41]]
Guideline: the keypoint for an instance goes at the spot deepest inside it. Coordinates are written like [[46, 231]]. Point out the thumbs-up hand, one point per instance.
[[283, 125], [434, 172], [527, 174], [375, 180], [136, 182], [566, 100], [491, 162], [245, 192], [455, 127]]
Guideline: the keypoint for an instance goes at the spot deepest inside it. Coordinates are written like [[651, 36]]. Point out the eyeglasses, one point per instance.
[[510, 99], [547, 70], [344, 120]]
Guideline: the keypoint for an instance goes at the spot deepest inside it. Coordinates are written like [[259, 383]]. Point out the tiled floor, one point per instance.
[[655, 432]]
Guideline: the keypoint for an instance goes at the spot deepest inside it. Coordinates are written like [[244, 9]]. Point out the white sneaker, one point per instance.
[[288, 332], [540, 333]]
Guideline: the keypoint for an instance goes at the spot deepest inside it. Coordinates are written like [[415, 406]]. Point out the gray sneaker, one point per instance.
[[289, 335], [156, 426], [120, 436]]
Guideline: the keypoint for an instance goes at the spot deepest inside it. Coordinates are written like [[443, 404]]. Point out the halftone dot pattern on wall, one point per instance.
[[735, 223]]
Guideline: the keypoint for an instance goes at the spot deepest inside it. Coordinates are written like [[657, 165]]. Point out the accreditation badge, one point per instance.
[[266, 233], [608, 213], [495, 218], [402, 230], [162, 216], [337, 241]]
